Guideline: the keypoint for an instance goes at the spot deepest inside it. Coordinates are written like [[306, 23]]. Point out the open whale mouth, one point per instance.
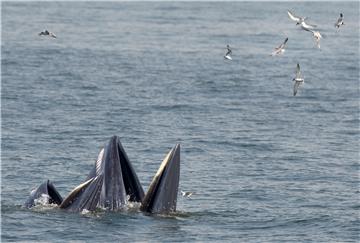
[[46, 193], [112, 183], [161, 196]]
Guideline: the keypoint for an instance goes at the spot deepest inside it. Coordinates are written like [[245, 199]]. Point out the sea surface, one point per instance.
[[265, 166]]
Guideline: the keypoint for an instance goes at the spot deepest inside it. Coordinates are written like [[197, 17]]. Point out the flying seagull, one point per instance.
[[280, 49], [300, 21], [228, 53], [317, 37], [298, 79], [46, 32], [340, 21], [297, 19], [306, 26], [186, 194]]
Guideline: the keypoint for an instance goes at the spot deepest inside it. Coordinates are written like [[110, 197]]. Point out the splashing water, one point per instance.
[[85, 212], [43, 200]]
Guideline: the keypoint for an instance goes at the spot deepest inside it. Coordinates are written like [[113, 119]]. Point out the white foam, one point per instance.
[[85, 211], [42, 200]]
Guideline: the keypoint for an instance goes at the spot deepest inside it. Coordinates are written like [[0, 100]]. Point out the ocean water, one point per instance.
[[265, 166]]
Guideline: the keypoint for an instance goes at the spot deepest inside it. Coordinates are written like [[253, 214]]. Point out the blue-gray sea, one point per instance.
[[265, 166]]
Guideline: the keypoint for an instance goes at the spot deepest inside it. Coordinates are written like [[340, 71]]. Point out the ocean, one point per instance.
[[264, 165]]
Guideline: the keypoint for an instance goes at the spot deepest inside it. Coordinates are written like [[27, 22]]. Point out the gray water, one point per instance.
[[265, 166]]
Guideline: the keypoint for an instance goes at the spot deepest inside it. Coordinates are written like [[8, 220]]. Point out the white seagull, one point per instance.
[[298, 79], [306, 26], [186, 194], [228, 53], [340, 21], [280, 49], [317, 37], [46, 32], [296, 18], [300, 21]]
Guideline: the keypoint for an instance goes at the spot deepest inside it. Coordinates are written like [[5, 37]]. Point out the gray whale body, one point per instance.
[[47, 189], [113, 182], [161, 196]]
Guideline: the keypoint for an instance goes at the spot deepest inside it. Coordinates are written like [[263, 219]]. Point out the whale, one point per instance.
[[161, 196], [112, 183], [47, 191], [84, 197]]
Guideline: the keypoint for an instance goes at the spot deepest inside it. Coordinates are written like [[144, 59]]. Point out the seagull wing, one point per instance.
[[285, 41], [319, 35], [298, 73], [293, 17], [317, 40], [282, 46], [306, 26], [296, 87]]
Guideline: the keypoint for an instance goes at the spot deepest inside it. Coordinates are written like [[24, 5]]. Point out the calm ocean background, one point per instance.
[[265, 166]]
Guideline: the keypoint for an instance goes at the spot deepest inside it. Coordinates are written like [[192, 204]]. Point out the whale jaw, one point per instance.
[[161, 196]]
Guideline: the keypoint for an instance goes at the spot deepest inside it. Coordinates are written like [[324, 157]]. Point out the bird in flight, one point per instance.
[[47, 33], [340, 21], [186, 194], [297, 19], [228, 53], [306, 26], [280, 49], [298, 79], [317, 37], [300, 21]]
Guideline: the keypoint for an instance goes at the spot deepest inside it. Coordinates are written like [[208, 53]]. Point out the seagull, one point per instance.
[[296, 18], [340, 21], [298, 79], [46, 32], [306, 26], [228, 53], [317, 37], [186, 194], [280, 49], [300, 21]]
